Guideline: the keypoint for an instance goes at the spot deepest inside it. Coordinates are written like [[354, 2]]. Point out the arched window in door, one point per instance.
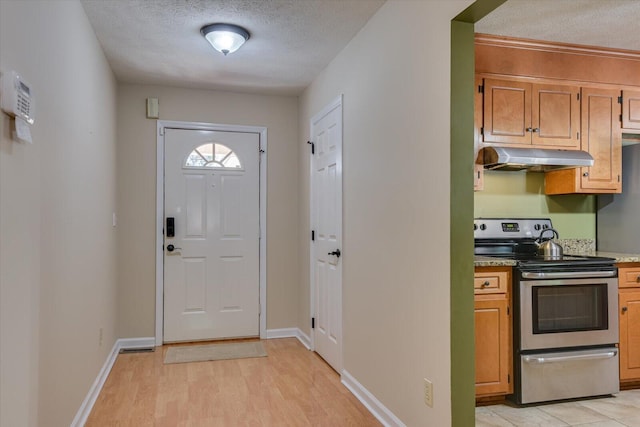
[[213, 155]]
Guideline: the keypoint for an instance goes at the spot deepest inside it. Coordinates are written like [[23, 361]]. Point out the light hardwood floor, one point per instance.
[[292, 386]]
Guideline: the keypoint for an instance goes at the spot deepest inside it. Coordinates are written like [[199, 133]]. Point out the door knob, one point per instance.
[[336, 253], [172, 248], [624, 309]]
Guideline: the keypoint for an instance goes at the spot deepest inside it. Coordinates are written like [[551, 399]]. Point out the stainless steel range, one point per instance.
[[565, 314]]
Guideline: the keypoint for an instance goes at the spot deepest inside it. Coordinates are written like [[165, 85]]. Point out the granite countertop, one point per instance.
[[484, 261], [587, 247]]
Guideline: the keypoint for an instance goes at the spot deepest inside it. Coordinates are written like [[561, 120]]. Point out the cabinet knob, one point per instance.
[[624, 309], [536, 130], [585, 174], [485, 284], [529, 129], [638, 279]]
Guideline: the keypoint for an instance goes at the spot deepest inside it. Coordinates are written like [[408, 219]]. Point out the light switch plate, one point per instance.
[[428, 393], [152, 108]]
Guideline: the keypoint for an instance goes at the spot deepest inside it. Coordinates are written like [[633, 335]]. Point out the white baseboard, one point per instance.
[[304, 339], [135, 343], [384, 415], [290, 333], [282, 333], [90, 400]]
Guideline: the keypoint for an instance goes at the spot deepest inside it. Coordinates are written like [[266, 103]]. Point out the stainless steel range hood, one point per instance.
[[532, 159]]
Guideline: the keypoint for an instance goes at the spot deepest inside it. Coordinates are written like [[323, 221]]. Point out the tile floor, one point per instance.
[[622, 409]]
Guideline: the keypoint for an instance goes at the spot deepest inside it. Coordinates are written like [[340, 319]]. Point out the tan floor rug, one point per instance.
[[201, 353]]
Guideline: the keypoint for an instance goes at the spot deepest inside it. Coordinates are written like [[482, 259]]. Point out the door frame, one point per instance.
[[336, 102], [161, 125]]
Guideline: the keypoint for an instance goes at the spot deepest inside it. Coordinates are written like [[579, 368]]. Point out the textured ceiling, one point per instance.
[[159, 41], [606, 23]]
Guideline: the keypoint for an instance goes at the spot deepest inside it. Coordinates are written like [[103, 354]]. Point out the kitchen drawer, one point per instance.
[[490, 282], [629, 277]]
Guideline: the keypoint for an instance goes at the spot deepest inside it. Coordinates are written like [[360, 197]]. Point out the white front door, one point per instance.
[[211, 263], [326, 222]]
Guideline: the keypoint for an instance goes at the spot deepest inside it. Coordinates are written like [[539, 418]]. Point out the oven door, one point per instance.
[[565, 312]]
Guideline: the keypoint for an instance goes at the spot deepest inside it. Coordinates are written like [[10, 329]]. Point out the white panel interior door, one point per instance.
[[211, 277], [326, 220]]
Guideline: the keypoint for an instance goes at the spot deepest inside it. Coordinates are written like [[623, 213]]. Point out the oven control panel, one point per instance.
[[514, 228]]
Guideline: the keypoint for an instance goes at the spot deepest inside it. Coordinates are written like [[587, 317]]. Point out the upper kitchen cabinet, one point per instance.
[[631, 111], [531, 85], [521, 113], [602, 138]]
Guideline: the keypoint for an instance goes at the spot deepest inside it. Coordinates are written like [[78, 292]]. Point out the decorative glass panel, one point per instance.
[[213, 155]]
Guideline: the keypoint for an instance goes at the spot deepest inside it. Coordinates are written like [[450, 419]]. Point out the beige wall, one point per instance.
[[521, 195], [395, 78], [57, 245], [137, 190]]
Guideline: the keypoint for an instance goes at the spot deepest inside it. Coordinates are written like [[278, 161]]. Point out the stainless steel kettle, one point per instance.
[[548, 248]]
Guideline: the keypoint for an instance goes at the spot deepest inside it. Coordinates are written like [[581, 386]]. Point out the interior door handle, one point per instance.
[[171, 248], [337, 253]]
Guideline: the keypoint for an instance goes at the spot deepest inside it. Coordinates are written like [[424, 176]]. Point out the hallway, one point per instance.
[[292, 386]]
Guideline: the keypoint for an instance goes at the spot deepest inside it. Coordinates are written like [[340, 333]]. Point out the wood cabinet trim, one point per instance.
[[535, 58], [547, 46]]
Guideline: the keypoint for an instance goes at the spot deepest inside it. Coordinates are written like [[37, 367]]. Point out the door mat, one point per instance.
[[201, 353]]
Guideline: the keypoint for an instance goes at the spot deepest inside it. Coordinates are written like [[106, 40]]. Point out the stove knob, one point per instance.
[[475, 227], [537, 226], [483, 226], [545, 226]]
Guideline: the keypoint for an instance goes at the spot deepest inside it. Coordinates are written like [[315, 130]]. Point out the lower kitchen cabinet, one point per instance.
[[629, 309], [493, 336]]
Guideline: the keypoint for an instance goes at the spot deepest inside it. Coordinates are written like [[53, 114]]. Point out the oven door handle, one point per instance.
[[567, 274], [538, 359]]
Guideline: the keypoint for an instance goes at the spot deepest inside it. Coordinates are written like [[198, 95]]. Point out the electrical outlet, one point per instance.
[[100, 338], [428, 393]]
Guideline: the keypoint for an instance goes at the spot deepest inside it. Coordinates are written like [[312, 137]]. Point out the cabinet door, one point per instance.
[[507, 112], [630, 110], [629, 306], [555, 116], [493, 346], [602, 138]]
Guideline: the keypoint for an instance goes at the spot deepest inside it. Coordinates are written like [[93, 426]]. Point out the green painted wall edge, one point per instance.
[[461, 207]]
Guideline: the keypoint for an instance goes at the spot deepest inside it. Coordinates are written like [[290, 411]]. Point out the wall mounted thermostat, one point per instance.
[[16, 97]]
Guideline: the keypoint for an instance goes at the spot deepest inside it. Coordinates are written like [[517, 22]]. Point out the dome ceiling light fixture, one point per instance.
[[225, 38]]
